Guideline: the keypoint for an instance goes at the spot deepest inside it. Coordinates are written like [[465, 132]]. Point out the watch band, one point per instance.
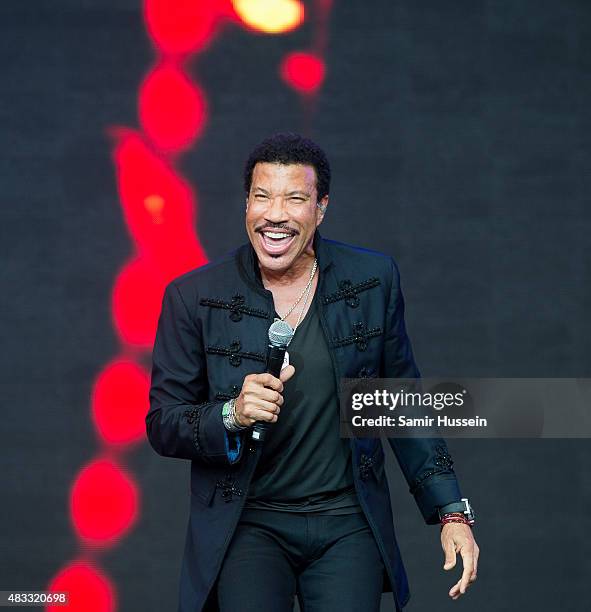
[[229, 417], [463, 506]]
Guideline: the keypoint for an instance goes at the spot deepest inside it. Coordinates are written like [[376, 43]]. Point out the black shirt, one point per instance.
[[305, 465]]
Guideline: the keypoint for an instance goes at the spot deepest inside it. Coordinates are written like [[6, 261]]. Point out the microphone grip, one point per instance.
[[274, 363], [275, 360]]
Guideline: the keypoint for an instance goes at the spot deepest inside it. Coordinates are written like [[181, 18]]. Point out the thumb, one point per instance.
[[450, 555], [286, 373]]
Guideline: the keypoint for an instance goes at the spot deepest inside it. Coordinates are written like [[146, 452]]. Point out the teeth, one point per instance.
[[276, 235]]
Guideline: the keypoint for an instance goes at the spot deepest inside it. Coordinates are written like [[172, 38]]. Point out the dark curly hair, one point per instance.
[[290, 148]]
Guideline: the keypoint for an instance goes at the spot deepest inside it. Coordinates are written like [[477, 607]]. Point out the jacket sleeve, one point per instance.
[[180, 422], [425, 462]]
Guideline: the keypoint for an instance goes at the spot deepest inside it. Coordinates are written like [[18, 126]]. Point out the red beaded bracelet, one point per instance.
[[454, 514], [455, 517]]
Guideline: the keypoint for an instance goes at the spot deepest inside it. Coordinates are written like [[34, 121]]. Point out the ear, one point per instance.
[[322, 206], [247, 203]]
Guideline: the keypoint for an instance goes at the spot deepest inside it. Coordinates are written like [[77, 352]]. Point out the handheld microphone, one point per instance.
[[280, 335]]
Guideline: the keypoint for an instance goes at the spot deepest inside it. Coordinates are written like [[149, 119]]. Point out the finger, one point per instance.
[[269, 395], [468, 563], [267, 413], [286, 373], [475, 570], [454, 592], [450, 554], [268, 380], [262, 411]]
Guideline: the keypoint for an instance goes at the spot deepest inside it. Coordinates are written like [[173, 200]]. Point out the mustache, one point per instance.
[[274, 228]]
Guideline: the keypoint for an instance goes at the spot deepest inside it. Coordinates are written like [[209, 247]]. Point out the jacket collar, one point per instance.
[[249, 267]]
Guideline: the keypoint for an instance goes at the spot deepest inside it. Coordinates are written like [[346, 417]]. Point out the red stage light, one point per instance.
[[137, 298], [303, 71], [180, 26], [103, 502], [89, 590], [120, 402], [172, 110], [159, 211]]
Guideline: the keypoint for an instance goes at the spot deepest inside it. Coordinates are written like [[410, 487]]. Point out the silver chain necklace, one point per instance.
[[305, 292]]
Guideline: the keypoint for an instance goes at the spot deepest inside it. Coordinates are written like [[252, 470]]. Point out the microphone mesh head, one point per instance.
[[280, 333]]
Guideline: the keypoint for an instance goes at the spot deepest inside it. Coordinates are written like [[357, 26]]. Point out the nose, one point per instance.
[[275, 211]]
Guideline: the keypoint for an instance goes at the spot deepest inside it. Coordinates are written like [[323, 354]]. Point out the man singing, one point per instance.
[[305, 513]]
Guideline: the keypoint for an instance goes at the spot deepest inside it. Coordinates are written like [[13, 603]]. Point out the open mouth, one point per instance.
[[276, 242]]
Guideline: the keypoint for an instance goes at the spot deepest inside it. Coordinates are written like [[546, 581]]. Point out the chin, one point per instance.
[[279, 262]]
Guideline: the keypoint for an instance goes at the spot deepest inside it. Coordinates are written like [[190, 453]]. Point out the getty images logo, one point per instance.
[[407, 399]]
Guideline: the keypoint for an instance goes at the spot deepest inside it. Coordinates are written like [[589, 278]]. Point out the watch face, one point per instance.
[[226, 409]]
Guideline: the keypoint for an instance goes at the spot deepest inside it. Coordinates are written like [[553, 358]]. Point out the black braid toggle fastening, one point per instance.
[[228, 488], [365, 466], [360, 336], [193, 417], [348, 291], [235, 353], [237, 307]]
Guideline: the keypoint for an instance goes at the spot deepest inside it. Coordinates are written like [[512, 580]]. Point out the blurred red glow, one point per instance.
[[172, 110], [89, 590], [181, 26], [303, 71], [103, 502], [136, 302], [120, 402], [158, 207]]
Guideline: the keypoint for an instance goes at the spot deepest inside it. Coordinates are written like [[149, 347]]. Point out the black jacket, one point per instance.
[[212, 332]]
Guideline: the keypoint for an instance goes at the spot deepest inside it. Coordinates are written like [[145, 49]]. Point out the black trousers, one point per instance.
[[332, 563]]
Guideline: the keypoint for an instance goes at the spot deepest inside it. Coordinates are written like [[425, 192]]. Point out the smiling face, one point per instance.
[[282, 215]]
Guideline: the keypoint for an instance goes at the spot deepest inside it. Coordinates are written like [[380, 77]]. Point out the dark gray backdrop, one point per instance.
[[459, 139]]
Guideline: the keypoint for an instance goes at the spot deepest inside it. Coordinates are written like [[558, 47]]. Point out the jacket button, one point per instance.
[[365, 464]]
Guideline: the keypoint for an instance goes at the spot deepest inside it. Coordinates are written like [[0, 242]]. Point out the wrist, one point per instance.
[[457, 512], [238, 405], [454, 517], [230, 419]]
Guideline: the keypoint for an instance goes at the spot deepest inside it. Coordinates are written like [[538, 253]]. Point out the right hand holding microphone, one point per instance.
[[260, 398]]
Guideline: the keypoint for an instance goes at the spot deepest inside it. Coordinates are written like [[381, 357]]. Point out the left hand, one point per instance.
[[457, 537]]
